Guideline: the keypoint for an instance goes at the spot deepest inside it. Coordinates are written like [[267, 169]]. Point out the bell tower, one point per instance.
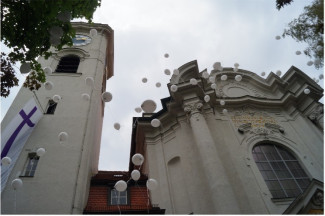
[[51, 170]]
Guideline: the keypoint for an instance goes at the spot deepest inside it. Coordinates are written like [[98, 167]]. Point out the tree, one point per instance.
[[308, 28], [30, 27]]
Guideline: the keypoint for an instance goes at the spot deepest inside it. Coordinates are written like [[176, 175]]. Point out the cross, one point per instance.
[[26, 120]]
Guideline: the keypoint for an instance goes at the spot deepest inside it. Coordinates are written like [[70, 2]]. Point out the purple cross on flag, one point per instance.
[[15, 134]]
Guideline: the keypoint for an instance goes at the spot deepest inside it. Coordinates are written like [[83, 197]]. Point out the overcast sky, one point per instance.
[[226, 31]]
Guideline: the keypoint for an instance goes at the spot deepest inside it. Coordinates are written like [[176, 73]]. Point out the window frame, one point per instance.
[[281, 176], [30, 171], [109, 199]]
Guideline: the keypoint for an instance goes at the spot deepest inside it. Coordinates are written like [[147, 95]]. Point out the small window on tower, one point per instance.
[[51, 107], [31, 164], [68, 64]]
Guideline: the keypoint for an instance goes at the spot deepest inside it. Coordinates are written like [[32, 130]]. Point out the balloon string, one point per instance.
[[118, 200], [15, 202]]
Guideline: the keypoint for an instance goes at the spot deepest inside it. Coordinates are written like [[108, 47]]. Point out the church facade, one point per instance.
[[232, 142], [68, 131]]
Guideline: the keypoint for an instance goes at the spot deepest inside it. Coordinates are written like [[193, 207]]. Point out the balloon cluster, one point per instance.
[[137, 160]]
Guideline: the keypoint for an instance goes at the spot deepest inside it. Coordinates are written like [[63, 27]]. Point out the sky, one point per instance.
[[209, 31]]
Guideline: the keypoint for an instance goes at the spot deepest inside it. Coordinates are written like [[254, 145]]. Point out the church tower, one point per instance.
[[70, 106]]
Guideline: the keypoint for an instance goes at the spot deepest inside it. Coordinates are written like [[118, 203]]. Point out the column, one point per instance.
[[221, 191]]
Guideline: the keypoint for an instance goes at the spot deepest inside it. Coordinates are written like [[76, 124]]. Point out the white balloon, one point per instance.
[[212, 79], [48, 85], [135, 175], [277, 37], [155, 122], [278, 72], [205, 75], [152, 184], [206, 98], [85, 96], [117, 126], [47, 70], [138, 109], [158, 84], [236, 65], [175, 72], [217, 65], [263, 73], [317, 80], [225, 111], [56, 98], [298, 52], [137, 159], [317, 61], [319, 48], [166, 55], [6, 161], [120, 186], [193, 81], [16, 183], [64, 16], [213, 86], [56, 31], [310, 63], [89, 81], [238, 78], [173, 88], [40, 152], [306, 91], [222, 102], [167, 71], [224, 77], [93, 32], [144, 80], [55, 40], [63, 136], [321, 76], [107, 97], [25, 68]]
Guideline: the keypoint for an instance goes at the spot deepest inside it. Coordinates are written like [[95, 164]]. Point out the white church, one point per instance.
[[230, 142]]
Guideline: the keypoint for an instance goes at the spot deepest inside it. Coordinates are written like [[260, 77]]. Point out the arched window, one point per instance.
[[281, 170], [68, 64]]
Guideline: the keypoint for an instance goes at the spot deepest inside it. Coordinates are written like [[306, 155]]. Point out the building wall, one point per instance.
[[205, 165], [61, 181]]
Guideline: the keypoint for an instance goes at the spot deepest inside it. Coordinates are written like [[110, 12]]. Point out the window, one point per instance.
[[51, 107], [281, 171], [31, 165], [118, 198], [68, 64]]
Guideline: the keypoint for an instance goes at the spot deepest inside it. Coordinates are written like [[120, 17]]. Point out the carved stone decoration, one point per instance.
[[318, 199], [226, 89], [317, 116], [261, 131], [274, 127], [193, 108], [245, 127]]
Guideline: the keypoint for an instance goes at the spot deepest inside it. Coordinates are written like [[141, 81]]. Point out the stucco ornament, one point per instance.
[[317, 116], [193, 107]]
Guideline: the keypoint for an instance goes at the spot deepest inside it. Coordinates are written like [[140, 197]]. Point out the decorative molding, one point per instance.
[[193, 108], [71, 51], [317, 112]]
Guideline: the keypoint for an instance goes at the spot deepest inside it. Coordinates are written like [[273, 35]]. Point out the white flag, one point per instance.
[[15, 135]]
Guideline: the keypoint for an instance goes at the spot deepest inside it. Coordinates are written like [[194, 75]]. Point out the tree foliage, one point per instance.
[[282, 3], [26, 29], [309, 28], [8, 78]]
